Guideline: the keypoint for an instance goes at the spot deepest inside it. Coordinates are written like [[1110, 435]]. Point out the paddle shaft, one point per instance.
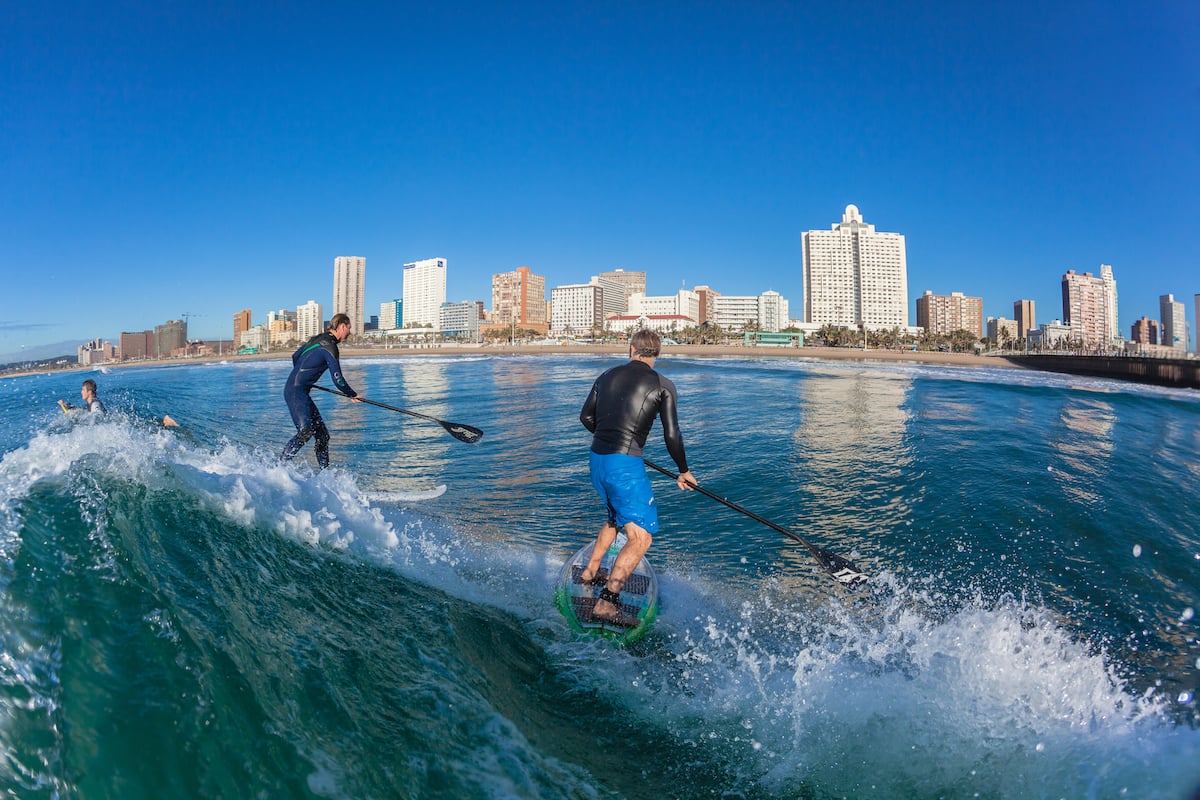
[[464, 433], [831, 562], [381, 405]]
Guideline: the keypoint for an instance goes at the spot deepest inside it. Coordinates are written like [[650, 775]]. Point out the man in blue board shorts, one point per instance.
[[309, 363], [619, 412]]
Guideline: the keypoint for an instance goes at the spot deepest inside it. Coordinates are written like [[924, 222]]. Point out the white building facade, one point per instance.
[[684, 303], [631, 282], [460, 320], [665, 324], [309, 320], [854, 274], [1090, 308], [349, 289], [614, 299], [767, 312], [424, 292], [1174, 330], [577, 309], [390, 315]]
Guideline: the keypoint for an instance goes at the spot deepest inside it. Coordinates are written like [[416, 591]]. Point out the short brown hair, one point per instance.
[[646, 343], [339, 319], [90, 385]]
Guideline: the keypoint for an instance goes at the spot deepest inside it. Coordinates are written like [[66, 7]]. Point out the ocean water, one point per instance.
[[183, 617]]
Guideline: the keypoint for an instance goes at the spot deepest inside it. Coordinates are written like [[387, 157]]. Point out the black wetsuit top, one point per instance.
[[309, 363], [620, 410]]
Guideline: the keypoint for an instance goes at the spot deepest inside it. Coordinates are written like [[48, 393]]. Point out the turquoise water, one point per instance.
[[182, 617]]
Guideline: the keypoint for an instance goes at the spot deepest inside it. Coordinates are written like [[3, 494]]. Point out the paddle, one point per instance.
[[842, 570], [464, 433]]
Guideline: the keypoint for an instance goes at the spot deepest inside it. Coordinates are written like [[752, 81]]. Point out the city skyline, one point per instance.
[[202, 161]]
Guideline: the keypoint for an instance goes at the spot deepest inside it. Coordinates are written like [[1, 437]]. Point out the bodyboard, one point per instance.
[[639, 596]]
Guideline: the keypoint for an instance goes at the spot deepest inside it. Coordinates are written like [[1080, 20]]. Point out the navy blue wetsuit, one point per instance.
[[309, 363]]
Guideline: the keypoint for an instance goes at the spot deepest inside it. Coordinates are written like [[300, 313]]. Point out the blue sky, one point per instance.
[[161, 158]]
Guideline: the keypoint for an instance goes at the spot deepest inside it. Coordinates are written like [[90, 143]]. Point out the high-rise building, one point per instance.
[[632, 281], [349, 292], [1089, 307], [424, 292], [1196, 341], [136, 346], [96, 351], [1174, 332], [460, 320], [241, 322], [772, 312], [281, 326], [947, 313], [1110, 289], [1197, 318], [171, 335], [1023, 312], [1145, 331], [613, 301], [708, 297], [519, 297], [734, 312], [853, 275], [578, 309], [391, 315], [309, 320], [1001, 330]]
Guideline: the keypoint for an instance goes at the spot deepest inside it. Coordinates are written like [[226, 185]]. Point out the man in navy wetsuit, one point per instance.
[[309, 362], [619, 411]]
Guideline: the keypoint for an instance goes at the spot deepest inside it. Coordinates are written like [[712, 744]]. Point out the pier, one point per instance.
[[1182, 373]]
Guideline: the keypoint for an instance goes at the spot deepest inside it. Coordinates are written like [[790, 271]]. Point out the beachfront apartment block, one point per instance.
[[578, 309], [766, 312], [1090, 308], [391, 315], [855, 275], [1001, 330], [684, 303], [309, 320], [349, 291], [946, 313], [1025, 316], [1174, 331], [519, 298], [461, 320], [632, 281], [241, 322], [424, 292]]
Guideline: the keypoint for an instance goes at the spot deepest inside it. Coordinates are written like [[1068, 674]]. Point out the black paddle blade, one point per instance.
[[842, 569], [464, 433]]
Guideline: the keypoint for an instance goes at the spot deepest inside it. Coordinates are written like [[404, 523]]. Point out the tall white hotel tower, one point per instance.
[[424, 292], [349, 296], [853, 274]]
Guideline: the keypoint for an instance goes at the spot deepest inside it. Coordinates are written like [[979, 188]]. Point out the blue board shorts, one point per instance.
[[623, 485]]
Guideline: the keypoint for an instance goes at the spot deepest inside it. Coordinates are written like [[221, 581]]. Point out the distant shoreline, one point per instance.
[[927, 357]]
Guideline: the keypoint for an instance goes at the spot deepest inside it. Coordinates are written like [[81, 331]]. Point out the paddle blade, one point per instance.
[[464, 433], [842, 569]]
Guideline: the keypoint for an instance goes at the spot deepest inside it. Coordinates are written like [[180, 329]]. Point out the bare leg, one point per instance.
[[627, 560], [604, 540]]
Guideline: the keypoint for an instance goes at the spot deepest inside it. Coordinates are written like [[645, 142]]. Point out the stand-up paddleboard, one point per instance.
[[639, 597], [406, 497]]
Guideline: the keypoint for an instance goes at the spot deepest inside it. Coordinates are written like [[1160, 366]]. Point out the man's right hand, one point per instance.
[[687, 481]]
